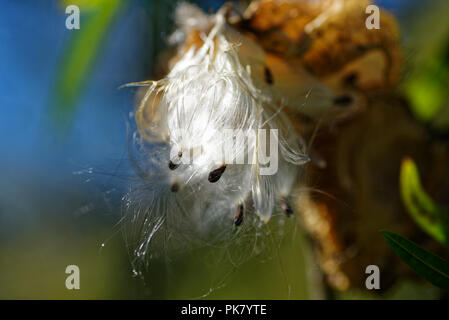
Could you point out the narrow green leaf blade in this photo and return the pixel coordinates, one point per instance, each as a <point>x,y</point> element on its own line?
<point>426,264</point>
<point>428,215</point>
<point>80,56</point>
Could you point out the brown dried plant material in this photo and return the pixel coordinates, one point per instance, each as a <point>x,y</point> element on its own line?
<point>359,192</point>
<point>346,215</point>
<point>355,163</point>
<point>343,37</point>
<point>331,40</point>
<point>279,25</point>
<point>322,46</point>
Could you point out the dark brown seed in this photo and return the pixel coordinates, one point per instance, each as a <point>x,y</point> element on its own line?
<point>174,187</point>
<point>238,215</point>
<point>285,207</point>
<point>268,76</point>
<point>172,165</point>
<point>215,175</point>
<point>343,100</point>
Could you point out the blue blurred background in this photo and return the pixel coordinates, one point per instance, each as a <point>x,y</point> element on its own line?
<point>63,174</point>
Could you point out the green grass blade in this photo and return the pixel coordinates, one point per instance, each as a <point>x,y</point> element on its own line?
<point>428,215</point>
<point>79,57</point>
<point>426,264</point>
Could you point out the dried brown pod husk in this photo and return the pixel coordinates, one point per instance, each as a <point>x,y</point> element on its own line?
<point>357,149</point>
<point>357,146</point>
<point>359,192</point>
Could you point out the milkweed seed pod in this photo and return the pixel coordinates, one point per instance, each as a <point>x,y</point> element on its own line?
<point>355,163</point>
<point>328,40</point>
<point>300,69</point>
<point>213,144</point>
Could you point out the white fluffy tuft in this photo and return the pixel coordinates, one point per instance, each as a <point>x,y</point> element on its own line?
<point>186,113</point>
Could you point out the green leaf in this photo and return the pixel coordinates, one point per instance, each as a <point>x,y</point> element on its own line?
<point>427,88</point>
<point>80,55</point>
<point>426,84</point>
<point>428,215</point>
<point>426,264</point>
